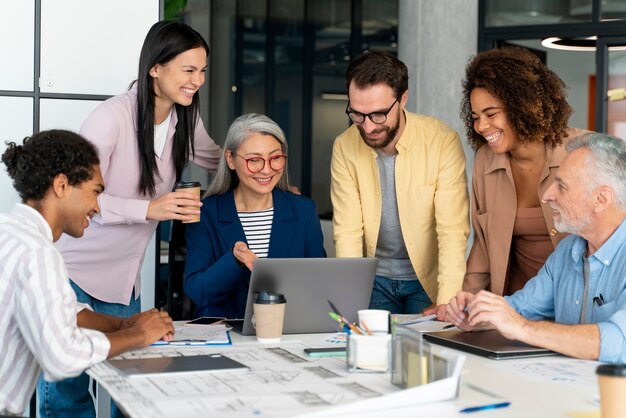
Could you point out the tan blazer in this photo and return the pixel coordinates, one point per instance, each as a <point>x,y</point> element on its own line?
<point>494,207</point>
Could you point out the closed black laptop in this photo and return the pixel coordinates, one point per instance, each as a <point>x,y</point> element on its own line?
<point>489,344</point>
<point>183,364</point>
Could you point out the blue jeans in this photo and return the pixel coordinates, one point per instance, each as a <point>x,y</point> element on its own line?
<point>70,397</point>
<point>399,296</point>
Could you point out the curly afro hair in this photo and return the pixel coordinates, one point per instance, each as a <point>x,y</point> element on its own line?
<point>534,97</point>
<point>34,165</point>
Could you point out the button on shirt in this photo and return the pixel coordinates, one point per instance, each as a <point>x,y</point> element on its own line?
<point>38,327</point>
<point>557,291</point>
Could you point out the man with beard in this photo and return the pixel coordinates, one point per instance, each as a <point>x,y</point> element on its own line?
<point>399,191</point>
<point>576,305</point>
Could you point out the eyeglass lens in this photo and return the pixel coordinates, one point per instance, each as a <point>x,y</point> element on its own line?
<point>277,162</point>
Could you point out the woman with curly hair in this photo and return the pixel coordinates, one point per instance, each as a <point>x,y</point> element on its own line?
<point>515,113</point>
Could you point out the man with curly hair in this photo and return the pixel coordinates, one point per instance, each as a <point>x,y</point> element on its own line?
<point>515,113</point>
<point>399,191</point>
<point>576,305</point>
<point>42,327</point>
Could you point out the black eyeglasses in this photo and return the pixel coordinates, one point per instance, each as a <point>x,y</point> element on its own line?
<point>256,164</point>
<point>376,117</point>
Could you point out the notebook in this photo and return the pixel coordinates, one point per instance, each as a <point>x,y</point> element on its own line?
<point>489,344</point>
<point>308,284</point>
<point>155,366</point>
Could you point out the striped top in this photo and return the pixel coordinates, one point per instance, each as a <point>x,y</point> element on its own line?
<point>38,327</point>
<point>257,226</point>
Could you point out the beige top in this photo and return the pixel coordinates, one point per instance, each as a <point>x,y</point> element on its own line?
<point>530,248</point>
<point>494,208</point>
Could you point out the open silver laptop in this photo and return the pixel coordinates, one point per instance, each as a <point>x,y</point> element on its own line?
<point>308,284</point>
<point>489,344</point>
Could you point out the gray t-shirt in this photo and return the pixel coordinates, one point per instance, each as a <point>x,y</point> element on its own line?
<point>393,259</point>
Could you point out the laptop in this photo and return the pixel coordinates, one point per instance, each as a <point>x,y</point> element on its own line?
<point>490,344</point>
<point>308,284</point>
<point>171,365</point>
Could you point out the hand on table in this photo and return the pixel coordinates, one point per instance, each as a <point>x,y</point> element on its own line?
<point>439,310</point>
<point>154,325</point>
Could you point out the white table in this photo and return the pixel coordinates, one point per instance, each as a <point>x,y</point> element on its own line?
<point>534,386</point>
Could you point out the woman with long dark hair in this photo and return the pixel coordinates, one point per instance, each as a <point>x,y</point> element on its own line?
<point>145,138</point>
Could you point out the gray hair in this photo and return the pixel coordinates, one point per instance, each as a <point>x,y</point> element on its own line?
<point>240,130</point>
<point>607,165</point>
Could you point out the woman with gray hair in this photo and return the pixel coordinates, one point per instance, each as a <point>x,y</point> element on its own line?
<point>248,212</point>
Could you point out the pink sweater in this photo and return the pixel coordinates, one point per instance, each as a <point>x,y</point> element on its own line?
<point>106,262</point>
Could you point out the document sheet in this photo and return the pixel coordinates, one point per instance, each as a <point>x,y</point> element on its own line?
<point>282,382</point>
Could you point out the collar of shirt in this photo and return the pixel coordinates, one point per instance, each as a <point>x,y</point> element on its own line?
<point>606,253</point>
<point>33,218</point>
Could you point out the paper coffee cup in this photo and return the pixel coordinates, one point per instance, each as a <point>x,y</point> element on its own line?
<point>376,320</point>
<point>189,187</point>
<point>612,381</point>
<point>269,314</point>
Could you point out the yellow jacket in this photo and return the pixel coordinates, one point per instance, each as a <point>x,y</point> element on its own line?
<point>431,189</point>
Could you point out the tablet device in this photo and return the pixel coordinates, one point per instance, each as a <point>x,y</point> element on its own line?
<point>490,344</point>
<point>205,320</point>
<point>182,364</point>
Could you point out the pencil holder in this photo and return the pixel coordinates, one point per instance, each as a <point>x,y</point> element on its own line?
<point>368,353</point>
<point>412,359</point>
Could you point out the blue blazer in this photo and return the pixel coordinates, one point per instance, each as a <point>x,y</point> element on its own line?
<point>214,280</point>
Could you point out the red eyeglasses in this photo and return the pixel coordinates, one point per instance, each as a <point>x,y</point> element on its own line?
<point>256,164</point>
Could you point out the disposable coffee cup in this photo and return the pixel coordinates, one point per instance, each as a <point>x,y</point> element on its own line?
<point>189,187</point>
<point>269,314</point>
<point>374,320</point>
<point>612,381</point>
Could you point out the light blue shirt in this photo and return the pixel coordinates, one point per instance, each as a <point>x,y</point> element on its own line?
<point>557,291</point>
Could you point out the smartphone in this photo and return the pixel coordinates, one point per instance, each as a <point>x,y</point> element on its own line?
<point>235,324</point>
<point>205,320</point>
<point>325,352</point>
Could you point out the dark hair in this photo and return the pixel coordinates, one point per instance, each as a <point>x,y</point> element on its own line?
<point>534,97</point>
<point>164,41</point>
<point>43,156</point>
<point>375,67</point>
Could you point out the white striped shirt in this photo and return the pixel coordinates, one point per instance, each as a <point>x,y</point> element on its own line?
<point>257,226</point>
<point>38,327</point>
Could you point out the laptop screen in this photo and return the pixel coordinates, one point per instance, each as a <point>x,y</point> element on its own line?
<point>308,284</point>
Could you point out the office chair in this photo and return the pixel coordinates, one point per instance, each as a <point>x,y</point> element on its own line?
<point>178,305</point>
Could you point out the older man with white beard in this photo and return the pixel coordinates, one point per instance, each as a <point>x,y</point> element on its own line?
<point>576,305</point>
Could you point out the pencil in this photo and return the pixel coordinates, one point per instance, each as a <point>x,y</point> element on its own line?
<point>364,325</point>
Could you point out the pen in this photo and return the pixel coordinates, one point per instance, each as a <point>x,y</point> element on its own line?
<point>341,322</point>
<point>337,316</point>
<point>353,328</point>
<point>599,300</point>
<point>334,308</point>
<point>367,329</point>
<point>485,407</point>
<point>188,342</point>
